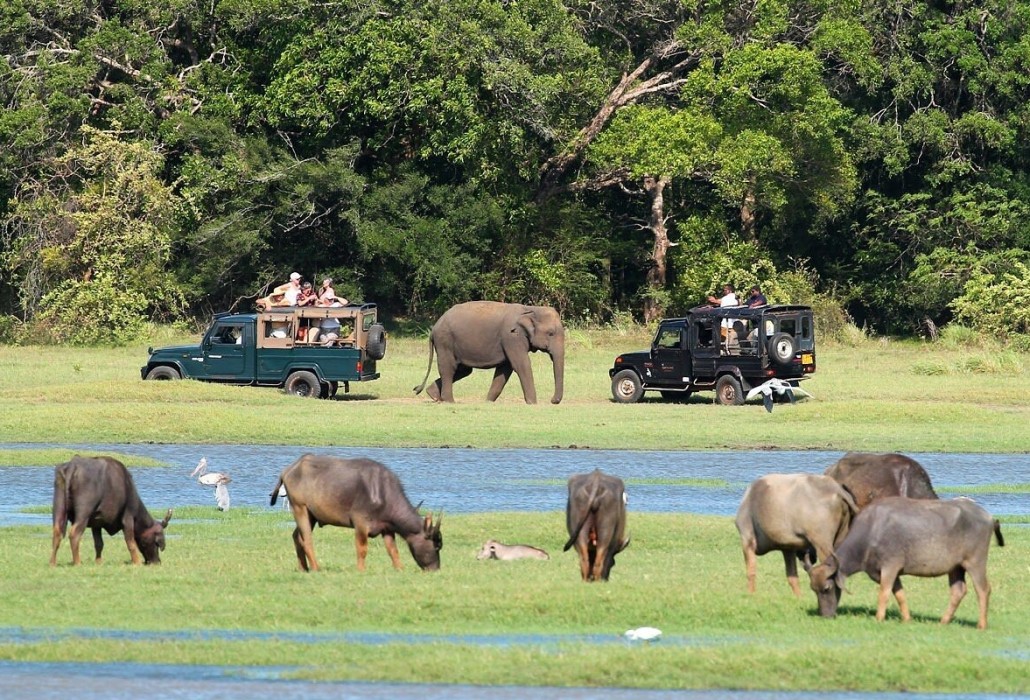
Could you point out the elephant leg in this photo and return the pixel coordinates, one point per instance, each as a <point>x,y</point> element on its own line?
<point>501,375</point>
<point>524,368</point>
<point>447,392</point>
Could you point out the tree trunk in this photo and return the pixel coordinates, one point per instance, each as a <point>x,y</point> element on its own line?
<point>654,306</point>
<point>747,213</point>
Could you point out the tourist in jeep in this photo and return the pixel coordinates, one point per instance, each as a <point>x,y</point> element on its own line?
<point>756,298</point>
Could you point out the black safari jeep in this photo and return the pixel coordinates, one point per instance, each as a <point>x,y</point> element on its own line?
<point>283,346</point>
<point>729,349</point>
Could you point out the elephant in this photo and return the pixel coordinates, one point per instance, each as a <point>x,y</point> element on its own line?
<point>491,334</point>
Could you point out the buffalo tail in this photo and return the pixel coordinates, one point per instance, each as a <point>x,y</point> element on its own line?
<point>997,533</point>
<point>275,491</point>
<point>586,514</point>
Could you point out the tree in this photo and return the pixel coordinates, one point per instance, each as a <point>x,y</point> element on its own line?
<point>91,242</point>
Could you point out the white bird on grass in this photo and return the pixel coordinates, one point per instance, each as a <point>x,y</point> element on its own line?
<point>643,634</point>
<point>285,498</point>
<point>216,479</point>
<point>781,387</point>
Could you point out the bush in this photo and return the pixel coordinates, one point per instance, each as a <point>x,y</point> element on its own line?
<point>11,329</point>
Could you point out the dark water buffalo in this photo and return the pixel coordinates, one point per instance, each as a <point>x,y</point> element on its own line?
<point>794,514</point>
<point>98,492</point>
<point>492,549</point>
<point>595,516</point>
<point>896,536</point>
<point>358,493</point>
<point>870,476</point>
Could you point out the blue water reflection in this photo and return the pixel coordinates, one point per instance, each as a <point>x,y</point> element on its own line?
<point>469,480</point>
<point>57,681</point>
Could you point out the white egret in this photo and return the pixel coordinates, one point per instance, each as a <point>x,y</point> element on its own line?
<point>780,387</point>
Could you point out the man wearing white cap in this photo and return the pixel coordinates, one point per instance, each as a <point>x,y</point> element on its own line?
<point>291,290</point>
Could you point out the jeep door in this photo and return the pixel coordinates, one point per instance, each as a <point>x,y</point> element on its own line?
<point>669,355</point>
<point>703,339</point>
<point>226,349</point>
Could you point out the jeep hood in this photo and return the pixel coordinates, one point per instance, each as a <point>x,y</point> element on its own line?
<point>176,351</point>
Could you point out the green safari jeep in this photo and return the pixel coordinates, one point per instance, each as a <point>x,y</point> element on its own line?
<point>289,347</point>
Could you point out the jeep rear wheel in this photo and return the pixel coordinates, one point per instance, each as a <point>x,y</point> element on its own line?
<point>728,391</point>
<point>164,373</point>
<point>303,383</point>
<point>626,387</point>
<point>782,348</point>
<point>375,343</point>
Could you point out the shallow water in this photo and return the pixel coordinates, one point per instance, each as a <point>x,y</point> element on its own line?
<point>455,481</point>
<point>58,681</point>
<point>468,480</point>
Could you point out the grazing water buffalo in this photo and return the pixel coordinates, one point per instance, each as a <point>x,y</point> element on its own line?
<point>492,549</point>
<point>98,492</point>
<point>896,536</point>
<point>358,493</point>
<point>595,516</point>
<point>870,476</point>
<point>792,513</point>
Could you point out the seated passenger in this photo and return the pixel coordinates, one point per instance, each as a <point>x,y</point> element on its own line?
<point>330,331</point>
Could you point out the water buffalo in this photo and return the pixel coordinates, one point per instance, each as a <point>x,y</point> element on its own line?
<point>870,476</point>
<point>358,493</point>
<point>898,535</point>
<point>595,516</point>
<point>792,513</point>
<point>98,492</point>
<point>492,549</point>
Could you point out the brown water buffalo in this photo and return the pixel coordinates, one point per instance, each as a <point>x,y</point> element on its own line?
<point>361,494</point>
<point>920,537</point>
<point>98,492</point>
<point>492,549</point>
<point>870,476</point>
<point>595,516</point>
<point>792,513</point>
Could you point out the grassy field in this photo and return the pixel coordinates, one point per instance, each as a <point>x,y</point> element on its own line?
<point>228,592</point>
<point>878,396</point>
<point>235,573</point>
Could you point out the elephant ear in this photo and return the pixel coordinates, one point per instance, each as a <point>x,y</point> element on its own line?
<point>525,322</point>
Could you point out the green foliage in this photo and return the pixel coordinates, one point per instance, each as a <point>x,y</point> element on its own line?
<point>996,303</point>
<point>103,262</point>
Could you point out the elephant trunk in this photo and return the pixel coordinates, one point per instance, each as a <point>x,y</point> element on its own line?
<point>558,359</point>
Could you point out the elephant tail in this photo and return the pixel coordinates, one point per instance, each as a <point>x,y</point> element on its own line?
<point>429,368</point>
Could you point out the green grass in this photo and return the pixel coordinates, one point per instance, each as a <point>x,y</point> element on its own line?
<point>870,397</point>
<point>236,571</point>
<point>49,457</point>
<point>684,574</point>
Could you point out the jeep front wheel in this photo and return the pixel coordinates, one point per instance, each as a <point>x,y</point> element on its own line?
<point>728,391</point>
<point>163,373</point>
<point>626,387</point>
<point>303,383</point>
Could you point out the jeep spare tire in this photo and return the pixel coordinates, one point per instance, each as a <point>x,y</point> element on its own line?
<point>375,343</point>
<point>782,348</point>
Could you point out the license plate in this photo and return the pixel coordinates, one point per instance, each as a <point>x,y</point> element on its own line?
<point>807,359</point>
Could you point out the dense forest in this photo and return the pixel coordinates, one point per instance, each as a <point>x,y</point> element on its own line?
<point>162,159</point>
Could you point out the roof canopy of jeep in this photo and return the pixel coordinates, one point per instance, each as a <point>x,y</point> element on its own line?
<point>744,311</point>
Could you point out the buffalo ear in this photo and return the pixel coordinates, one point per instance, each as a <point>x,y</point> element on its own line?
<point>168,516</point>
